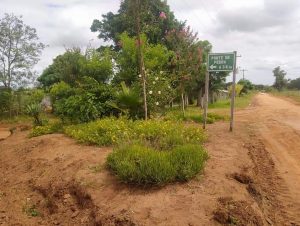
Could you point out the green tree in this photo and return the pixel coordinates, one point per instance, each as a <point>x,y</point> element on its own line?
<point>19,51</point>
<point>294,84</point>
<point>156,20</point>
<point>188,66</point>
<point>280,80</point>
<point>98,64</point>
<point>73,65</point>
<point>247,85</point>
<point>156,58</point>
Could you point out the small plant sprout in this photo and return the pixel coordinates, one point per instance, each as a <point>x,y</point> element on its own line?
<point>161,72</point>
<point>154,83</point>
<point>156,78</point>
<point>159,92</point>
<point>150,92</point>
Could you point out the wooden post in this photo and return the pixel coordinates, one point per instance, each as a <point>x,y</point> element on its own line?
<point>233,94</point>
<point>206,99</point>
<point>141,57</point>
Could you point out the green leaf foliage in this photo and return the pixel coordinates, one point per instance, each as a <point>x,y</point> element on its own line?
<point>87,102</point>
<point>72,66</point>
<point>154,26</point>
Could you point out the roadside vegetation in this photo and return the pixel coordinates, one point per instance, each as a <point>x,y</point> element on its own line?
<point>289,88</point>
<point>142,95</point>
<point>292,94</point>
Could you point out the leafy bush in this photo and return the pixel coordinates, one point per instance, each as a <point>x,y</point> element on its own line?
<point>129,102</point>
<point>145,166</point>
<point>34,110</point>
<point>88,101</point>
<point>155,133</point>
<point>36,96</point>
<point>238,89</point>
<point>107,131</point>
<point>5,97</point>
<point>50,128</point>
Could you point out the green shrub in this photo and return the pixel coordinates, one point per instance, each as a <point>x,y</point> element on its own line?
<point>54,127</point>
<point>140,165</point>
<point>88,101</point>
<point>189,160</point>
<point>106,131</point>
<point>5,100</point>
<point>35,96</point>
<point>155,133</point>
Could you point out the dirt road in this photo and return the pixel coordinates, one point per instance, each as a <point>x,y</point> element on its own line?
<point>251,178</point>
<point>277,122</point>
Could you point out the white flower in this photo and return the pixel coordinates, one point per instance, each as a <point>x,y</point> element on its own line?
<point>154,83</point>
<point>156,78</point>
<point>157,103</point>
<point>159,92</point>
<point>140,75</point>
<point>161,72</point>
<point>150,92</point>
<point>169,87</point>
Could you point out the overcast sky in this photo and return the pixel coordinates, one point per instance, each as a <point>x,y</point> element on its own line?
<point>266,33</point>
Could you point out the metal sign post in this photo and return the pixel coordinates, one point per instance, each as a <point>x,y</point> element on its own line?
<point>206,99</point>
<point>221,62</point>
<point>233,94</point>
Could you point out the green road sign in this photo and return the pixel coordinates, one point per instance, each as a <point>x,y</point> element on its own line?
<point>221,61</point>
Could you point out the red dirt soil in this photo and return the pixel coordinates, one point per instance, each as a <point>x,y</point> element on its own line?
<point>251,178</point>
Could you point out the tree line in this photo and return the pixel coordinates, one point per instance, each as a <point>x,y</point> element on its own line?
<point>85,84</point>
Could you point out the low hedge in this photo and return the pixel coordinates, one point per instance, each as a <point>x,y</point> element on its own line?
<point>140,165</point>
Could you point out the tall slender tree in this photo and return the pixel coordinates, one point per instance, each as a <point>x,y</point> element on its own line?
<point>19,51</point>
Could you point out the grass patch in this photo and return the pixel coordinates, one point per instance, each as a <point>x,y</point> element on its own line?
<point>292,94</point>
<point>194,114</point>
<point>142,165</point>
<point>240,102</point>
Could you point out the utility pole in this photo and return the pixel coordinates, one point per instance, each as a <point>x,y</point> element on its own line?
<point>140,56</point>
<point>244,70</point>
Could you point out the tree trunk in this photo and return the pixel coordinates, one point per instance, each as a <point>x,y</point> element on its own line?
<point>199,98</point>
<point>182,103</point>
<point>186,100</point>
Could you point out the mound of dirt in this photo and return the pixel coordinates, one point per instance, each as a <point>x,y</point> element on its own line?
<point>69,202</point>
<point>230,212</point>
